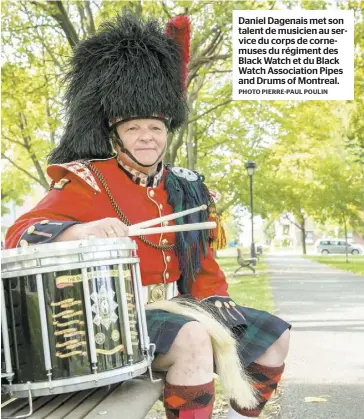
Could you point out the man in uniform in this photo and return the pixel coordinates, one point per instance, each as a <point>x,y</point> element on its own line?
<point>126,92</point>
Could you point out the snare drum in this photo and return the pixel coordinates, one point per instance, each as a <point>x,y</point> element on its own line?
<point>72,316</point>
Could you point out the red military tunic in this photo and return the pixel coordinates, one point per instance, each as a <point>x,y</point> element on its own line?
<point>80,197</point>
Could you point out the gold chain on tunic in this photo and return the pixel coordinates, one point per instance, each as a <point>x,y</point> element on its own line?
<point>120,214</point>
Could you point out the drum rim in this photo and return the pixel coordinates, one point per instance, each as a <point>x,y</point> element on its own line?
<point>43,388</point>
<point>25,271</point>
<point>67,247</point>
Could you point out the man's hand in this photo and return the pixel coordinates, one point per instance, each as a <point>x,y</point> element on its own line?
<point>107,227</point>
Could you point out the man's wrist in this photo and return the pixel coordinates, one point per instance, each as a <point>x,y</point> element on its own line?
<point>71,233</point>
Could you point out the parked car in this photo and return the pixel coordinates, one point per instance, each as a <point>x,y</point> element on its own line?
<point>326,246</point>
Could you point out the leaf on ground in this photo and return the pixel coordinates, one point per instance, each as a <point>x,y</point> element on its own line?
<point>321,399</point>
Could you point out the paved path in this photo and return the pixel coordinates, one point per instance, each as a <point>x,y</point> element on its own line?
<point>326,309</point>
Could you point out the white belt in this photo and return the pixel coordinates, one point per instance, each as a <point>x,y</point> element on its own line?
<point>158,292</point>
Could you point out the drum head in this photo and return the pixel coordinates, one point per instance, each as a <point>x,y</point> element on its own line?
<point>55,256</point>
<point>69,246</point>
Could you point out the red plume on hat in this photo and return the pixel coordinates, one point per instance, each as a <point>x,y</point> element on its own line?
<point>179,29</point>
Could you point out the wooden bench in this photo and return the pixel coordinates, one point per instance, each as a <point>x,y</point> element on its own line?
<point>245,262</point>
<point>131,399</point>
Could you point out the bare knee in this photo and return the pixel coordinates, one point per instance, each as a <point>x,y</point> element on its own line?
<point>192,344</point>
<point>275,355</point>
<point>192,338</point>
<point>283,342</point>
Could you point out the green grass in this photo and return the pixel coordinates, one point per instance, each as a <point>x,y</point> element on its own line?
<point>245,289</point>
<point>356,263</point>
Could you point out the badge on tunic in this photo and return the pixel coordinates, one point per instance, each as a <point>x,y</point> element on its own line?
<point>61,184</point>
<point>185,173</point>
<point>216,196</point>
<point>79,169</point>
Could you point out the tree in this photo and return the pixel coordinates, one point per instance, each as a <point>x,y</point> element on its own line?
<point>355,137</point>
<point>342,190</point>
<point>310,171</point>
<point>38,38</point>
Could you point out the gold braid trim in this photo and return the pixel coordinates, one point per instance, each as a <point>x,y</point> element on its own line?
<point>217,235</point>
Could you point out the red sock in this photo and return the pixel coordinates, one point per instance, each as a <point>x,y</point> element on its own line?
<point>265,380</point>
<point>189,402</point>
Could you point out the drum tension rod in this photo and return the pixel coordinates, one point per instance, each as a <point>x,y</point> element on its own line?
<point>30,400</point>
<point>150,357</point>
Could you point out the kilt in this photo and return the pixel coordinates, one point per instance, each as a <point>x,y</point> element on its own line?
<point>254,335</point>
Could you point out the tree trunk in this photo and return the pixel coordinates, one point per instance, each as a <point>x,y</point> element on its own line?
<point>61,16</point>
<point>91,23</point>
<point>27,144</point>
<point>302,226</point>
<point>303,234</point>
<point>42,179</point>
<point>346,238</point>
<point>190,147</point>
<point>174,144</point>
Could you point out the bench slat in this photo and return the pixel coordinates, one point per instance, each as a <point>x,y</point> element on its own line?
<point>91,402</point>
<point>38,403</point>
<point>50,405</point>
<point>71,404</point>
<point>135,397</point>
<point>14,407</point>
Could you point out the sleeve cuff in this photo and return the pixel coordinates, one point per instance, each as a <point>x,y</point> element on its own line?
<point>44,232</point>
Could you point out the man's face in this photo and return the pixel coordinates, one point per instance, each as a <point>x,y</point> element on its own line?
<point>145,139</point>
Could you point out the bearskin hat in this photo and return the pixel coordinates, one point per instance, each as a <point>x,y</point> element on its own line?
<point>131,68</point>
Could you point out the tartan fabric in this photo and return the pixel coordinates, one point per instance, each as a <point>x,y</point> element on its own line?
<point>189,402</point>
<point>163,328</point>
<point>259,331</point>
<point>265,380</point>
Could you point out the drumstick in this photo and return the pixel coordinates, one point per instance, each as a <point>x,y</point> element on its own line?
<point>158,220</point>
<point>171,229</point>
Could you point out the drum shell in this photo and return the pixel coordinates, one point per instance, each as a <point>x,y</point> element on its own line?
<point>24,323</point>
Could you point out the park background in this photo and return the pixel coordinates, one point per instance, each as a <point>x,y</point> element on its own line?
<point>310,154</point>
<point>309,180</point>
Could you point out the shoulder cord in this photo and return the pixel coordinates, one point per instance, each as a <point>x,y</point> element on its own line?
<point>118,211</point>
